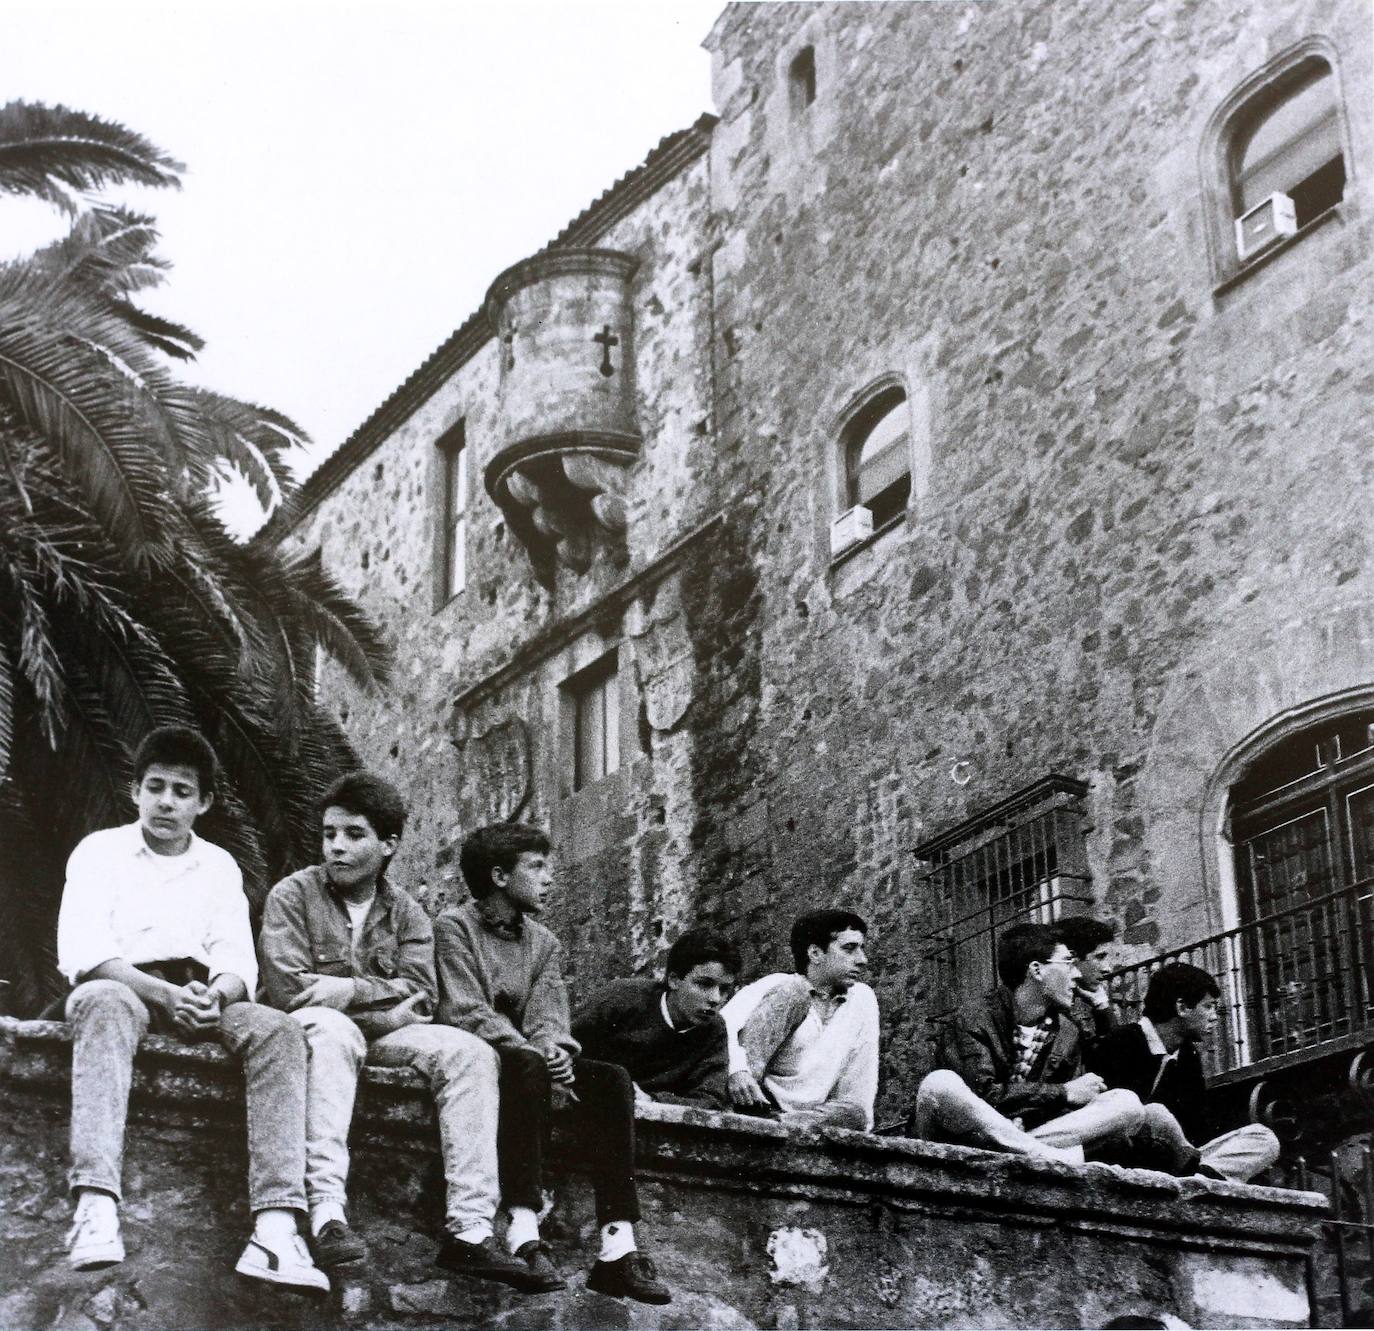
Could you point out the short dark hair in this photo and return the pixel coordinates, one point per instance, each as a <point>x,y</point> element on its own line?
<point>1082,933</point>
<point>497,846</point>
<point>1174,983</point>
<point>1021,944</point>
<point>698,947</point>
<point>820,927</point>
<point>178,746</point>
<point>366,795</point>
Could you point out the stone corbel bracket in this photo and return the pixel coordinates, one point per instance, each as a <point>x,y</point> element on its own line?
<point>563,322</point>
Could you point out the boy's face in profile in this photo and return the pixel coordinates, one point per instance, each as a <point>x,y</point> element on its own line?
<point>1096,965</point>
<point>528,883</point>
<point>700,994</point>
<point>169,802</point>
<point>840,963</point>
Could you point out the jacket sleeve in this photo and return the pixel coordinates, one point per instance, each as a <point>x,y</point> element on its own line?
<point>284,950</point>
<point>965,1050</point>
<point>548,1022</point>
<point>463,998</point>
<point>414,972</point>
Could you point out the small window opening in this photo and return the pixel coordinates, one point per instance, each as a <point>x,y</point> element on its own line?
<point>801,79</point>
<point>1292,146</point>
<point>877,458</point>
<point>453,518</point>
<point>595,694</point>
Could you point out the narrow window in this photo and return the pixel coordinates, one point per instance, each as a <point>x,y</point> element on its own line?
<point>801,79</point>
<point>595,694</point>
<point>1286,141</point>
<point>452,544</point>
<point>877,457</point>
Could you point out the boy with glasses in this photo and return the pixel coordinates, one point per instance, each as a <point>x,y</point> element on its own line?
<point>1010,1072</point>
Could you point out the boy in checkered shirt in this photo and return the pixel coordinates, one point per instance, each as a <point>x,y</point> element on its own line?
<point>1009,1073</point>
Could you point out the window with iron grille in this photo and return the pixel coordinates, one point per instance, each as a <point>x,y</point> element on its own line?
<point>1021,861</point>
<point>1302,824</point>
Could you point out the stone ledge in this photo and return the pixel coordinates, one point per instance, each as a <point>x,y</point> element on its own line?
<point>737,1153</point>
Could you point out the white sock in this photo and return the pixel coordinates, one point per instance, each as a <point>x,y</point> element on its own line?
<point>323,1212</point>
<point>474,1234</point>
<point>617,1239</point>
<point>94,1202</point>
<point>274,1225</point>
<point>523,1229</point>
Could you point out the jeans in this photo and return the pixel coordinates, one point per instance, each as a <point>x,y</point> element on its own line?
<point>602,1119</point>
<point>462,1074</point>
<point>108,1020</point>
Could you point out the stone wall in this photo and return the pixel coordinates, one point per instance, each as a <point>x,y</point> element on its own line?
<point>750,1225</point>
<point>1139,534</point>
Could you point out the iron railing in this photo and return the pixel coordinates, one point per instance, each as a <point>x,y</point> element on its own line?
<point>1295,984</point>
<point>1350,1229</point>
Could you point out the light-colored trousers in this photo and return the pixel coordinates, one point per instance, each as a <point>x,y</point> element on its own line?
<point>462,1072</point>
<point>1237,1155</point>
<point>1116,1123</point>
<point>947,1108</point>
<point>108,1020</point>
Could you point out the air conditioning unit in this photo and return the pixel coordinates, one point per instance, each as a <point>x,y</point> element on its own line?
<point>850,528</point>
<point>1264,225</point>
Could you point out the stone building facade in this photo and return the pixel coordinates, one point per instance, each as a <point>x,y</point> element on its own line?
<point>975,269</point>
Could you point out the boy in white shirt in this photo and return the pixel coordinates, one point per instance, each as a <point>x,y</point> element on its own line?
<point>153,932</point>
<point>807,1043</point>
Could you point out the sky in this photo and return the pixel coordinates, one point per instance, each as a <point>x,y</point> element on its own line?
<point>357,173</point>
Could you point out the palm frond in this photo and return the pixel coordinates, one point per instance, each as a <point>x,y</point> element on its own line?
<point>303,593</point>
<point>168,336</point>
<point>252,440</point>
<point>49,151</point>
<point>57,378</point>
<point>6,710</point>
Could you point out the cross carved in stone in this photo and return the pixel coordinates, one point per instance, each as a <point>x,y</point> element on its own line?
<point>606,340</point>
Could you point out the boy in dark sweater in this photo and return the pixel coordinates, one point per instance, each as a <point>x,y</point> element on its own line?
<point>668,1036</point>
<point>501,977</point>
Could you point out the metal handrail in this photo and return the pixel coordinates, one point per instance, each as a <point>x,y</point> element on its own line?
<point>1293,982</point>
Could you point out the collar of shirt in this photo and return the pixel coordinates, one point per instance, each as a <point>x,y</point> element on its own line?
<point>663,1008</point>
<point>827,1004</point>
<point>383,893</point>
<point>511,929</point>
<point>188,859</point>
<point>1152,1041</point>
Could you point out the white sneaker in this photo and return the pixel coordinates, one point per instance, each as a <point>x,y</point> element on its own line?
<point>282,1262</point>
<point>93,1240</point>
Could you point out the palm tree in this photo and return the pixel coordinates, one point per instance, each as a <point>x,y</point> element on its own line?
<point>124,602</point>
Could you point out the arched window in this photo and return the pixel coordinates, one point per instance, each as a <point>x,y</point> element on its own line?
<point>1302,828</point>
<point>1274,156</point>
<point>1289,142</point>
<point>876,448</point>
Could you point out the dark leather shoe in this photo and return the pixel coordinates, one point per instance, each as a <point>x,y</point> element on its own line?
<point>337,1245</point>
<point>544,1277</point>
<point>630,1277</point>
<point>485,1261</point>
